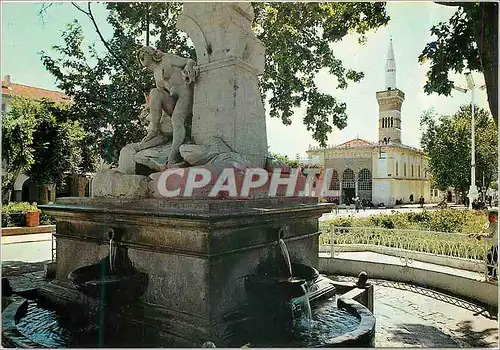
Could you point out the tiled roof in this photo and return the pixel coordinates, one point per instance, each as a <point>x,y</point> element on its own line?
<point>354,143</point>
<point>34,93</point>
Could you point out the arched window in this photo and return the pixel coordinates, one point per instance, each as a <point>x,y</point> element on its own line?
<point>383,122</point>
<point>404,169</point>
<point>335,184</point>
<point>365,180</point>
<point>397,169</point>
<point>348,179</point>
<point>392,124</point>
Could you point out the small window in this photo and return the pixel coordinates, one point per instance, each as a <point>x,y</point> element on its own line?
<point>397,170</point>
<point>382,155</point>
<point>3,107</point>
<point>404,169</point>
<point>412,170</point>
<point>419,171</point>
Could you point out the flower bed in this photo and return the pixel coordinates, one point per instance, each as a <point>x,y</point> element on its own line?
<point>440,220</point>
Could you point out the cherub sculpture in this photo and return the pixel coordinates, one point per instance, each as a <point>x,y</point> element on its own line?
<point>174,77</point>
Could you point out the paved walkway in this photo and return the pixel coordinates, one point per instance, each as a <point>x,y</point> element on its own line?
<point>393,260</point>
<point>407,319</point>
<point>27,248</point>
<point>410,316</point>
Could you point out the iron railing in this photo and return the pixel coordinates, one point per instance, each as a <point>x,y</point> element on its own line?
<point>53,244</point>
<point>475,248</point>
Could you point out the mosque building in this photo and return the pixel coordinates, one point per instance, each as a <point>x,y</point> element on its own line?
<point>385,172</point>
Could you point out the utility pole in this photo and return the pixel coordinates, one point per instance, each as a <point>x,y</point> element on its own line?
<point>484,189</point>
<point>473,193</point>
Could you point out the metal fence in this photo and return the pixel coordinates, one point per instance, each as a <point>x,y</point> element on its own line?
<point>475,248</point>
<point>53,244</point>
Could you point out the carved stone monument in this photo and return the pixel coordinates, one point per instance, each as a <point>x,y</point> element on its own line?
<point>195,252</point>
<point>227,100</point>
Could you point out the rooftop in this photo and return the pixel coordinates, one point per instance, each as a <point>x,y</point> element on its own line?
<point>32,92</point>
<point>360,143</point>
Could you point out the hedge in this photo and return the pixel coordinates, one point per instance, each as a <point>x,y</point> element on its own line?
<point>440,220</point>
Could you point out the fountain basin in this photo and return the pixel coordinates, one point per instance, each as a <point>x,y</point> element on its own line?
<point>350,324</point>
<point>121,286</point>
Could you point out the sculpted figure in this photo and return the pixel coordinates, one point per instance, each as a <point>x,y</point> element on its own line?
<point>162,134</point>
<point>174,77</point>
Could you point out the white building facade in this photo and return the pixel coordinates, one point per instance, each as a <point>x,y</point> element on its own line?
<point>386,172</point>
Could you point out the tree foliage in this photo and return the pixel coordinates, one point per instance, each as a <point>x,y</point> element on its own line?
<point>292,163</point>
<point>108,89</point>
<point>447,141</point>
<point>18,126</point>
<point>467,42</point>
<point>56,145</point>
<point>40,140</point>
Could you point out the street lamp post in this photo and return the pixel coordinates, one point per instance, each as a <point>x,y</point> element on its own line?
<point>473,192</point>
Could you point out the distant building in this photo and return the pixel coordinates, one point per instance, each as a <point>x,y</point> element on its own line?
<point>24,189</point>
<point>386,171</point>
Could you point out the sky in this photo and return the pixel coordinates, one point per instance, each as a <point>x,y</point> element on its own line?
<point>25,33</point>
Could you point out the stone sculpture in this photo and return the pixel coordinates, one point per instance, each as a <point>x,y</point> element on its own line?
<point>207,114</point>
<point>174,77</point>
<point>161,133</point>
<point>151,152</point>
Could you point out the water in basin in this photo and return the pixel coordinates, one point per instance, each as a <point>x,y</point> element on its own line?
<point>49,327</point>
<point>328,321</point>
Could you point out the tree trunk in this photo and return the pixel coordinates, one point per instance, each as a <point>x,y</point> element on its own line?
<point>43,195</point>
<point>486,33</point>
<point>8,186</point>
<point>6,193</point>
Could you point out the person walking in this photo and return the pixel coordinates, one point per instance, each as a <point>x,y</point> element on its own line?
<point>492,257</point>
<point>421,201</point>
<point>357,204</point>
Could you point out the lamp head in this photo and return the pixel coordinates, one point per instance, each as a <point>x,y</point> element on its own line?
<point>470,80</point>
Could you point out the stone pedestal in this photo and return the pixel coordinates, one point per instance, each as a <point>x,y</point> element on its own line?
<point>227,101</point>
<point>196,255</point>
<point>227,104</point>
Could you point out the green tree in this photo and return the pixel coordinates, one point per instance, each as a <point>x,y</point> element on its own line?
<point>292,163</point>
<point>56,145</point>
<point>109,89</point>
<point>18,126</point>
<point>41,140</point>
<point>447,141</point>
<point>468,41</point>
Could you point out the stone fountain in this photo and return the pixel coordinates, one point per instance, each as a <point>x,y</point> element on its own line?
<point>183,271</point>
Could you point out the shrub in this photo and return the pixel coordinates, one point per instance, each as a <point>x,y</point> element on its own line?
<point>14,213</point>
<point>19,207</point>
<point>440,220</point>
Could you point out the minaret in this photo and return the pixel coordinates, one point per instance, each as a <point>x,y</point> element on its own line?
<point>390,101</point>
<point>390,69</point>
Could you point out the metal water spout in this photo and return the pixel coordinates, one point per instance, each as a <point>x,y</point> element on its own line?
<point>112,249</point>
<point>284,249</point>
